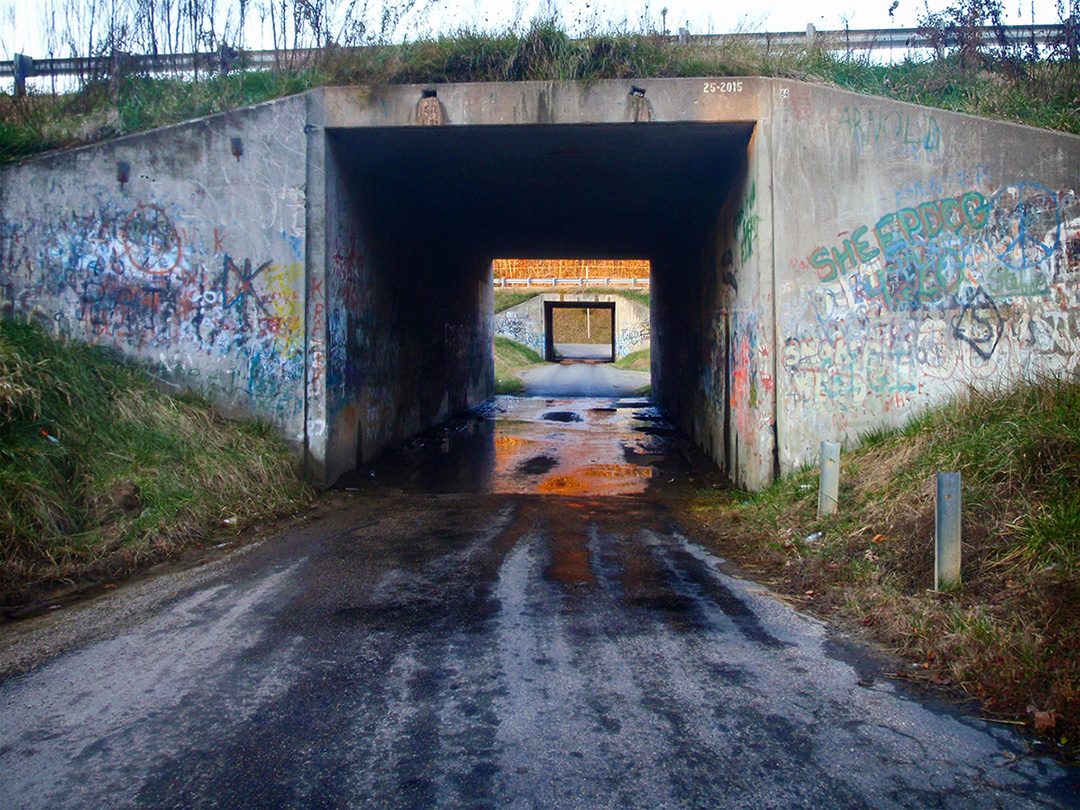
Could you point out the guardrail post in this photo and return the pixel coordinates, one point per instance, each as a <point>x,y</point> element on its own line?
<point>829,482</point>
<point>22,66</point>
<point>947,531</point>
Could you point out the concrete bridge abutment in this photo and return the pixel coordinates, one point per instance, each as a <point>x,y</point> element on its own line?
<point>823,263</point>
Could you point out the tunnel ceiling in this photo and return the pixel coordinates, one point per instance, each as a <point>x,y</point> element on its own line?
<point>588,190</point>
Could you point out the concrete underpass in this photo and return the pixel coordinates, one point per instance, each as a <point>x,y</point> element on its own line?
<point>823,263</point>
<point>430,208</point>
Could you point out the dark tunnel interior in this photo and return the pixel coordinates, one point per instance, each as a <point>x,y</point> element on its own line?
<point>429,208</point>
<point>602,191</point>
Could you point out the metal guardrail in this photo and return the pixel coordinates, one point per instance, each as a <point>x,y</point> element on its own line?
<point>216,61</point>
<point>24,67</point>
<point>633,283</point>
<point>908,38</point>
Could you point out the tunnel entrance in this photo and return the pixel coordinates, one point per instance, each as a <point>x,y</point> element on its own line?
<point>593,311</point>
<point>416,216</point>
<point>579,332</point>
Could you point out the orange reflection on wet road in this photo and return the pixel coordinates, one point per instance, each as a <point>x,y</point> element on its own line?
<point>579,447</point>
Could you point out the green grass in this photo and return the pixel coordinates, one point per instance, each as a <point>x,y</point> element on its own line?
<point>505,299</point>
<point>1039,93</point>
<point>1010,632</point>
<point>642,297</point>
<point>510,358</point>
<point>641,360</point>
<point>1019,454</point>
<point>101,473</point>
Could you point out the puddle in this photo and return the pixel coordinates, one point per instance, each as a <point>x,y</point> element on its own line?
<point>600,447</point>
<point>537,465</point>
<point>562,416</point>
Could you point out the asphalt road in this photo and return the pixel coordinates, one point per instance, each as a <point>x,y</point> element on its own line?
<point>536,632</point>
<point>582,379</point>
<point>584,351</point>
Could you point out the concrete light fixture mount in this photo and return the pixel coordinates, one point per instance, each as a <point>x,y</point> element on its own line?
<point>637,107</point>
<point>429,111</point>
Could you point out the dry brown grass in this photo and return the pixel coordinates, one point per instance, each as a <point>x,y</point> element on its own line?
<point>570,268</point>
<point>1009,635</point>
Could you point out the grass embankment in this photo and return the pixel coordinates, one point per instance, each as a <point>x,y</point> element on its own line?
<point>510,358</point>
<point>505,299</point>
<point>1010,633</point>
<point>1006,85</point>
<point>101,473</point>
<point>641,360</point>
<point>586,326</point>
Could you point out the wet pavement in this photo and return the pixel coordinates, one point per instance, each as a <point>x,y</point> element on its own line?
<point>584,351</point>
<point>583,379</point>
<point>535,630</point>
<point>545,446</point>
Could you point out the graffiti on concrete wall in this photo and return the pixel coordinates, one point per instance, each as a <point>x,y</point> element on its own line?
<point>733,404</point>
<point>355,354</point>
<point>151,241</point>
<point>872,128</point>
<point>744,369</point>
<point>520,328</point>
<point>631,338</point>
<point>914,189</point>
<point>746,224</point>
<point>940,251</point>
<point>317,332</point>
<point>133,275</point>
<point>973,287</point>
<point>751,384</point>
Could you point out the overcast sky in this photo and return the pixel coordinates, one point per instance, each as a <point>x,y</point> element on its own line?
<point>719,17</point>
<point>20,20</point>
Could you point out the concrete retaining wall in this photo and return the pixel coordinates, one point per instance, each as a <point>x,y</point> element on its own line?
<point>174,249</point>
<point>917,252</point>
<point>408,330</point>
<point>400,335</point>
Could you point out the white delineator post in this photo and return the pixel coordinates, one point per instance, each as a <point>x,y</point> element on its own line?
<point>947,534</point>
<point>829,483</point>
